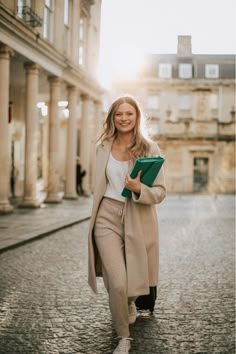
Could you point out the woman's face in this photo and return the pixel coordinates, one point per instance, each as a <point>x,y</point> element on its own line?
<point>125,118</point>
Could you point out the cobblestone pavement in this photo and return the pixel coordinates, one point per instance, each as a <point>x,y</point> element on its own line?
<point>47,306</point>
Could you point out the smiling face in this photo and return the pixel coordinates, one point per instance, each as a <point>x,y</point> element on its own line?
<point>125,118</point>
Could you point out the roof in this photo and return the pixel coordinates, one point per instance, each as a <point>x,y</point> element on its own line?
<point>226,64</point>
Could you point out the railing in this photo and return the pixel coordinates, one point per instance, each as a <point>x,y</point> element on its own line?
<point>193,129</point>
<point>29,16</point>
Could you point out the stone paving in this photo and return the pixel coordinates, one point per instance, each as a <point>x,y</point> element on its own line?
<point>46,306</point>
<point>25,224</point>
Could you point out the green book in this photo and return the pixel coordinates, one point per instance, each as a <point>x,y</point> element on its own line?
<point>150,167</point>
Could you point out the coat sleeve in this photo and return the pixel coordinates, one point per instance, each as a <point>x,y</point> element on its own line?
<point>156,193</point>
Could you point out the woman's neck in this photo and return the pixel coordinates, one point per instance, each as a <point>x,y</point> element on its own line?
<point>124,139</point>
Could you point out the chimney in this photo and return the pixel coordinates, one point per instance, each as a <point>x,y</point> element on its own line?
<point>184,47</point>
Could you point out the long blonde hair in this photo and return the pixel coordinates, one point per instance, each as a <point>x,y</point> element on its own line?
<point>139,146</point>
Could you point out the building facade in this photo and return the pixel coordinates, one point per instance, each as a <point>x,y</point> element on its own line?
<point>50,97</point>
<point>189,102</point>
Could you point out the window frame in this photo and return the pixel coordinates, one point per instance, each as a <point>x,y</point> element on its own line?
<point>48,25</point>
<point>150,104</point>
<point>20,4</point>
<point>165,67</point>
<point>182,105</point>
<point>209,71</point>
<point>185,73</point>
<point>82,40</point>
<point>67,26</point>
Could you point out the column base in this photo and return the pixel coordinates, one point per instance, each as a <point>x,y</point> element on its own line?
<point>71,196</point>
<point>30,203</point>
<point>87,194</point>
<point>6,208</point>
<point>53,198</point>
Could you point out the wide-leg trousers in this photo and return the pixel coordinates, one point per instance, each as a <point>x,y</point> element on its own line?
<point>110,241</point>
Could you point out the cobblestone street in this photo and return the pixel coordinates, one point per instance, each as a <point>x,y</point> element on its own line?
<point>46,306</point>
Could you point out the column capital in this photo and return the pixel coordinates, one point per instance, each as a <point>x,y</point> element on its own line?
<point>31,67</point>
<point>85,97</point>
<point>72,89</point>
<point>97,102</point>
<point>5,51</point>
<point>54,79</point>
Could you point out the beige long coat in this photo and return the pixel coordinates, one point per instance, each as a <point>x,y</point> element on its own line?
<point>140,224</point>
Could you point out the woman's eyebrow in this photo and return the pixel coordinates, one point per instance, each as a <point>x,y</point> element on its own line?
<point>128,111</point>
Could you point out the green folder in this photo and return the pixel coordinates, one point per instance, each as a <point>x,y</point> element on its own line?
<point>150,167</point>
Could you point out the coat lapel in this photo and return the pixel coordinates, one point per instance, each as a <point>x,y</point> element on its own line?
<point>101,163</point>
<point>103,158</point>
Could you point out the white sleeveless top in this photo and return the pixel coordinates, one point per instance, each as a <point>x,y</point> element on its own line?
<point>116,172</point>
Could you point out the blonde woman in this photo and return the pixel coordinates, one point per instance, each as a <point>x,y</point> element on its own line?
<point>123,234</point>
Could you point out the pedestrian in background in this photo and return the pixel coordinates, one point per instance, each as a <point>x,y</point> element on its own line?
<point>123,234</point>
<point>79,177</point>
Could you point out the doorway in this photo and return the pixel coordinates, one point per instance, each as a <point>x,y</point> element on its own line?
<point>200,174</point>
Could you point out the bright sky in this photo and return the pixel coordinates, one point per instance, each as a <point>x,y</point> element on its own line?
<point>131,28</point>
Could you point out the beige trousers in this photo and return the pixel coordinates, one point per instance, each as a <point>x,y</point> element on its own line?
<point>109,237</point>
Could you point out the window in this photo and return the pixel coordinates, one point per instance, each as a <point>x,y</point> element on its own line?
<point>81,29</point>
<point>47,25</point>
<point>185,71</point>
<point>81,55</point>
<point>67,25</point>
<point>82,41</point>
<point>212,71</point>
<point>66,12</point>
<point>20,4</point>
<point>184,102</point>
<point>152,102</point>
<point>213,100</point>
<point>165,71</point>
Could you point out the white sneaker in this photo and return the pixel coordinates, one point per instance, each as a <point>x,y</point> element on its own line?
<point>132,313</point>
<point>123,347</point>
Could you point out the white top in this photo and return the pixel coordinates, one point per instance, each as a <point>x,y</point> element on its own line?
<point>116,172</point>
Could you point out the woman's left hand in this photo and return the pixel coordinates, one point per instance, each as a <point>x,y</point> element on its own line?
<point>133,184</point>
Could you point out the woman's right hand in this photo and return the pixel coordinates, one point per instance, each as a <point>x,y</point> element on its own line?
<point>133,184</point>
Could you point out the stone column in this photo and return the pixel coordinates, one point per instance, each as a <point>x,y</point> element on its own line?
<point>31,137</point>
<point>45,149</point>
<point>85,142</point>
<point>70,185</point>
<point>5,206</point>
<point>53,195</point>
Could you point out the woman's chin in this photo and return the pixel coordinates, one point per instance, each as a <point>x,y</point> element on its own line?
<point>125,130</point>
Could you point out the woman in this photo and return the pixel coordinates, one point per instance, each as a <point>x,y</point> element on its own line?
<point>123,234</point>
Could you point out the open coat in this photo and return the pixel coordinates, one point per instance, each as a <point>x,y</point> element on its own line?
<point>140,225</point>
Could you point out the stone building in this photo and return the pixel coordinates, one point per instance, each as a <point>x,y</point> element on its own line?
<point>50,97</point>
<point>190,104</point>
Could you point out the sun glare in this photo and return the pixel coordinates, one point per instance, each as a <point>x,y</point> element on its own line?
<point>126,65</point>
<point>128,27</point>
<point>123,65</point>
